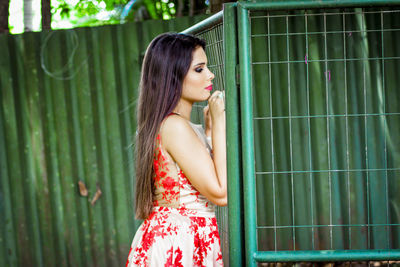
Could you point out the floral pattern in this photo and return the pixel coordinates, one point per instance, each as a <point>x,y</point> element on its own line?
<point>182,229</point>
<point>168,238</point>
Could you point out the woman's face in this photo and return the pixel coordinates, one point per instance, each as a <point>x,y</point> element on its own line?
<point>197,84</point>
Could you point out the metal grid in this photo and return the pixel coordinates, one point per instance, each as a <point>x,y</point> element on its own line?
<point>323,114</point>
<point>319,77</point>
<point>214,51</point>
<point>213,35</point>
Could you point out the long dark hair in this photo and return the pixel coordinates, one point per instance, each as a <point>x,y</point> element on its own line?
<point>166,63</point>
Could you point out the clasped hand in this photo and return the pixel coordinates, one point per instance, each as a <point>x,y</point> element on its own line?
<point>214,112</point>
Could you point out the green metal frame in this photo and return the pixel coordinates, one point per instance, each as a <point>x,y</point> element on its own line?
<point>282,5</point>
<point>205,24</point>
<point>248,163</point>
<point>235,204</point>
<point>246,105</point>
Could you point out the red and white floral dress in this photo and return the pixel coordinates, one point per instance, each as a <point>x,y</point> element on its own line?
<point>182,229</point>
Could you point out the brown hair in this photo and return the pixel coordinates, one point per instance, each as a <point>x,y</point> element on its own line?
<point>166,63</point>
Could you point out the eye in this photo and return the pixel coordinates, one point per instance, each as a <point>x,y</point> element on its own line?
<point>198,70</point>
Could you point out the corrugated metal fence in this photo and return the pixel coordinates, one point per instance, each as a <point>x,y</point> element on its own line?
<point>67,115</point>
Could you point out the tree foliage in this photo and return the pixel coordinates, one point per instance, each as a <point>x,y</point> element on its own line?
<point>100,12</point>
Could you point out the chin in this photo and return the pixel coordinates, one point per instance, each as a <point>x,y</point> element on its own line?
<point>206,96</point>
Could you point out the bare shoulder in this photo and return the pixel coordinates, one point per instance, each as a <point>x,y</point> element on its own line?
<point>176,129</point>
<point>183,145</point>
<point>174,124</point>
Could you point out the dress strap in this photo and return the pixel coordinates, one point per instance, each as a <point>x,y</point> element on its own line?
<point>173,113</point>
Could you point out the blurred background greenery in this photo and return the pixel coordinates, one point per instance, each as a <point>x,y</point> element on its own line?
<point>18,16</point>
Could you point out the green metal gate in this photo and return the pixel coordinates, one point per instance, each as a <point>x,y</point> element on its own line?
<point>313,153</point>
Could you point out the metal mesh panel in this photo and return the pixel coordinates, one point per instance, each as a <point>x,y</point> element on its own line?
<point>214,49</point>
<point>326,120</point>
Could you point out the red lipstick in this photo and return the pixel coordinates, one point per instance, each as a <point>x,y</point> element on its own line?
<point>209,88</point>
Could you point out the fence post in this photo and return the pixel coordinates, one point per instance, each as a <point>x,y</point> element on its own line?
<point>246,105</point>
<point>235,204</point>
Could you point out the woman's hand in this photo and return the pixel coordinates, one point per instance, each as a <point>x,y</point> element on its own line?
<point>217,106</point>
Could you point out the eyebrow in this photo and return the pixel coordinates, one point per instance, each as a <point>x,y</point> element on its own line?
<point>199,64</point>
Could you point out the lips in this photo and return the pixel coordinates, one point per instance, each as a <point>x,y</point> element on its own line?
<point>209,88</point>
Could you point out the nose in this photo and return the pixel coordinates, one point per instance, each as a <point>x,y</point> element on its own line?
<point>211,76</point>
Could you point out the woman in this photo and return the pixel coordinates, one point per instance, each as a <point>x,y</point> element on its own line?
<point>179,182</point>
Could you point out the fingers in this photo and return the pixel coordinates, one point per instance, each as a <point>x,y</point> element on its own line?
<point>206,110</point>
<point>217,98</point>
<point>217,94</point>
<point>216,104</point>
<point>222,95</point>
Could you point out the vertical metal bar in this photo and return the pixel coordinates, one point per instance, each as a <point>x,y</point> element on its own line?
<point>235,205</point>
<point>366,143</point>
<point>290,132</point>
<point>272,131</point>
<point>309,135</point>
<point>384,128</point>
<point>347,123</point>
<point>221,56</point>
<point>327,73</point>
<point>247,134</point>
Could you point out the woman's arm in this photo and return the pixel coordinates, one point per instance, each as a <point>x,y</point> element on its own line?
<point>206,174</point>
<point>218,133</point>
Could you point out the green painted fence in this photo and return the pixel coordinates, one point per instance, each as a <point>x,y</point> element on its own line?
<point>67,114</point>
